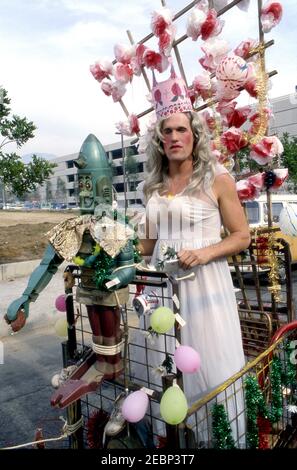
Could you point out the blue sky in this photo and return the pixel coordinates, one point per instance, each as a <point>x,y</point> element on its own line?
<point>48,45</point>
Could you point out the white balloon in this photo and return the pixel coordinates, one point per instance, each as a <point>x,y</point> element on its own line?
<point>288,220</point>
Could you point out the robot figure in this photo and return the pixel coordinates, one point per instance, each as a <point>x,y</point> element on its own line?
<point>81,240</point>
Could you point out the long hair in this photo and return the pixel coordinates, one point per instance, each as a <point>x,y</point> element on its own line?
<point>157,163</point>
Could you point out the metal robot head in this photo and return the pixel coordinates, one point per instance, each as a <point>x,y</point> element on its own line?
<point>94,176</point>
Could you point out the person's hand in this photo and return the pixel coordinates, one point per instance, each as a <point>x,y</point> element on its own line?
<point>19,322</point>
<point>190,258</point>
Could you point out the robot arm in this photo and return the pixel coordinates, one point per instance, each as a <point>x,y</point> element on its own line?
<point>125,270</point>
<point>18,310</point>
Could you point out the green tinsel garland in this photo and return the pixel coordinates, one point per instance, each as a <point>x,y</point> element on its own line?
<point>255,402</point>
<point>221,428</point>
<point>103,267</point>
<point>289,374</point>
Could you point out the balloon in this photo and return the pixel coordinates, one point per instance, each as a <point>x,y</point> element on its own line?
<point>61,327</point>
<point>173,406</point>
<point>162,319</point>
<point>288,220</point>
<point>232,71</point>
<point>135,406</point>
<point>187,359</point>
<point>60,303</point>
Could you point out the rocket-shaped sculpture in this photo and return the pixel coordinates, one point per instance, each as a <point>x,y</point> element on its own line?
<point>94,176</point>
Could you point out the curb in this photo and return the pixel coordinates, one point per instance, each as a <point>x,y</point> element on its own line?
<point>12,271</point>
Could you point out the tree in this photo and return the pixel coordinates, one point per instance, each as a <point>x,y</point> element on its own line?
<point>48,191</point>
<point>132,168</point>
<point>18,177</point>
<point>61,190</point>
<point>289,157</point>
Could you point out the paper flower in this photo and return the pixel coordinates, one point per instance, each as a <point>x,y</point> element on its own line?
<point>271,14</point>
<point>212,26</point>
<point>115,89</point>
<point>202,85</point>
<point>154,60</point>
<point>232,71</point>
<point>214,49</point>
<point>244,48</point>
<point>246,191</point>
<point>163,28</point>
<point>123,53</point>
<point>280,176</point>
<point>101,69</point>
<point>195,20</point>
<point>122,72</point>
<point>266,150</point>
<point>161,19</point>
<point>233,139</point>
<point>129,127</point>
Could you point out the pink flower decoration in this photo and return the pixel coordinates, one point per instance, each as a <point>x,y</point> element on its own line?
<point>195,20</point>
<point>130,127</point>
<point>212,26</point>
<point>271,14</point>
<point>161,19</point>
<point>158,97</point>
<point>101,69</point>
<point>266,150</point>
<point>257,180</point>
<point>123,53</point>
<point>202,86</point>
<point>176,90</point>
<point>238,116</point>
<point>154,60</point>
<point>233,139</point>
<point>106,87</point>
<point>122,72</point>
<point>115,89</point>
<point>281,175</point>
<point>243,49</point>
<point>209,120</point>
<point>246,191</point>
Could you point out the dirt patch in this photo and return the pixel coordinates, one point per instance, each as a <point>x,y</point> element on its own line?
<point>22,234</point>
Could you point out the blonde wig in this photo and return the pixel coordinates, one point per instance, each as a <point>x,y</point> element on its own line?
<point>157,163</point>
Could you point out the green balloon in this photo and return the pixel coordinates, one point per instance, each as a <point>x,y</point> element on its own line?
<point>61,327</point>
<point>162,319</point>
<point>173,406</point>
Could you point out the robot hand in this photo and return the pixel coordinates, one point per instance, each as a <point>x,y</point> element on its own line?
<point>17,313</point>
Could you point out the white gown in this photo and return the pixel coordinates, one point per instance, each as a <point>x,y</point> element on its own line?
<point>207,302</point>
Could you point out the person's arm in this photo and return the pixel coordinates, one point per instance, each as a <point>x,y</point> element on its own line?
<point>147,242</point>
<point>234,221</point>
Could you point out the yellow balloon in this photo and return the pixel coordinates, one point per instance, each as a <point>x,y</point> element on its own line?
<point>61,327</point>
<point>173,406</point>
<point>162,319</point>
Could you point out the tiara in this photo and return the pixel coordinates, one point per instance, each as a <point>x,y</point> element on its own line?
<point>170,96</point>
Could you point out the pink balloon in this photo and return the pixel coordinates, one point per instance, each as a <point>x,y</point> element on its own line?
<point>187,359</point>
<point>60,303</point>
<point>135,406</point>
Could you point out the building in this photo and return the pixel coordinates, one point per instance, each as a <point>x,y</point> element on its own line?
<point>285,120</point>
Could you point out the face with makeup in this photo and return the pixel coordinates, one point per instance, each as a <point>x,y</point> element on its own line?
<point>178,137</point>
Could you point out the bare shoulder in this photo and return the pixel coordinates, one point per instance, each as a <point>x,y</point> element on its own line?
<point>224,185</point>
